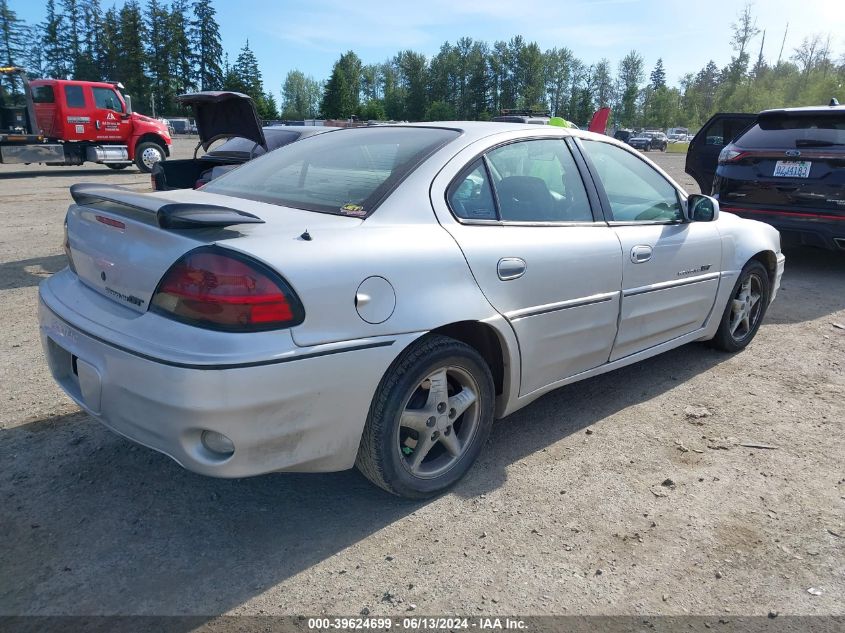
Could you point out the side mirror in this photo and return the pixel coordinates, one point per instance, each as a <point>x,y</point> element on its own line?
<point>128,101</point>
<point>701,208</point>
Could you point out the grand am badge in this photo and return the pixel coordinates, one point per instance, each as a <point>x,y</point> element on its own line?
<point>693,271</point>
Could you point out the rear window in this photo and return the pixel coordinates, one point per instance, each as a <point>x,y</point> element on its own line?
<point>795,131</point>
<point>43,94</point>
<point>74,96</point>
<point>240,147</point>
<point>348,172</point>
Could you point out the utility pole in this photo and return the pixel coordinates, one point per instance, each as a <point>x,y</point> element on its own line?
<point>783,43</point>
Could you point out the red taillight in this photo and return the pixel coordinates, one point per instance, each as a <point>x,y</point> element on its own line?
<point>212,288</point>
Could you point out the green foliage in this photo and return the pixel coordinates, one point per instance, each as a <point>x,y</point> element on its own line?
<point>205,39</point>
<point>342,92</point>
<point>168,47</point>
<point>372,110</point>
<point>440,111</point>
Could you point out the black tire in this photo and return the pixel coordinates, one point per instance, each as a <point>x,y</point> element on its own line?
<point>663,147</point>
<point>724,339</point>
<point>117,166</point>
<point>140,163</point>
<point>380,457</point>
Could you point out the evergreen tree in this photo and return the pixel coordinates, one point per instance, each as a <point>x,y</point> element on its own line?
<point>132,57</point>
<point>109,48</point>
<point>71,34</point>
<point>658,75</point>
<point>336,104</point>
<point>180,52</point>
<point>159,56</point>
<point>270,108</point>
<point>12,44</point>
<point>414,73</point>
<point>87,64</point>
<point>248,74</point>
<point>55,55</point>
<point>342,91</point>
<point>630,77</point>
<point>205,38</point>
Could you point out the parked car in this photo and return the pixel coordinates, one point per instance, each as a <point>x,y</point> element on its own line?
<point>649,140</point>
<point>788,169</point>
<point>225,115</point>
<point>624,135</point>
<point>180,125</point>
<point>705,146</point>
<point>377,296</point>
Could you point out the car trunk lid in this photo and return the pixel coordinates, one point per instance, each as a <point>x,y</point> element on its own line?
<point>222,114</point>
<point>121,242</point>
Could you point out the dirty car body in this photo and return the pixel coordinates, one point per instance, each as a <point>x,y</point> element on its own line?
<point>376,296</point>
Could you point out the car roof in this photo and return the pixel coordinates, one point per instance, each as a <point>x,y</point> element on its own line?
<point>840,109</point>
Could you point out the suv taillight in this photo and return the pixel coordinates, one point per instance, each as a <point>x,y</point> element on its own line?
<point>217,289</point>
<point>729,155</point>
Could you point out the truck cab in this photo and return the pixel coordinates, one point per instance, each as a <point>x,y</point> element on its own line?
<point>79,121</point>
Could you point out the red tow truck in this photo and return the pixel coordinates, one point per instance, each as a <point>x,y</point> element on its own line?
<point>66,122</point>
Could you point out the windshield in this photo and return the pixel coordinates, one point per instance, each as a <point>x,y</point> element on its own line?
<point>795,131</point>
<point>348,172</point>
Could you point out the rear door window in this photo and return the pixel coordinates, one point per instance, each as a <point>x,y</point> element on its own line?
<point>74,96</point>
<point>538,181</point>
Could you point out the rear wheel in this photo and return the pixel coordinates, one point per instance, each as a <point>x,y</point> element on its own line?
<point>745,309</point>
<point>147,155</point>
<point>429,419</point>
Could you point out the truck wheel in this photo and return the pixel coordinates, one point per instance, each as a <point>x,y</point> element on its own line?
<point>147,155</point>
<point>117,166</point>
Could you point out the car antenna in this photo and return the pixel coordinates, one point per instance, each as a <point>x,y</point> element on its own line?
<point>834,102</point>
<point>306,235</point>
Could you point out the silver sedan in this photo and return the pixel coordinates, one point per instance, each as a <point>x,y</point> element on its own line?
<point>375,297</point>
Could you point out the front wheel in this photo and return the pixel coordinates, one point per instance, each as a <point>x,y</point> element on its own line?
<point>147,155</point>
<point>429,418</point>
<point>745,309</point>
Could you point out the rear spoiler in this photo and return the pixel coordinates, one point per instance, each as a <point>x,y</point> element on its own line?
<point>167,214</point>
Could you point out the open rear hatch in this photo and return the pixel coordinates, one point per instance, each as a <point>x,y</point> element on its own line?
<point>221,114</point>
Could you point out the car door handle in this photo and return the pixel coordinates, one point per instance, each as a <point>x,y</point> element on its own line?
<point>641,254</point>
<point>511,268</point>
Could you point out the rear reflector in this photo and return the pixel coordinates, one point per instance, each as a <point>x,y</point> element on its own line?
<point>214,288</point>
<point>110,222</point>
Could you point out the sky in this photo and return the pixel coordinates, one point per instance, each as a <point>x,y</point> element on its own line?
<point>310,35</point>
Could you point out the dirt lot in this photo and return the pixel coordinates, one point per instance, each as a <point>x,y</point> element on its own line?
<point>569,510</point>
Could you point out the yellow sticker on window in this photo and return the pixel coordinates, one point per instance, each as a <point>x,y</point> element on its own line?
<point>353,209</point>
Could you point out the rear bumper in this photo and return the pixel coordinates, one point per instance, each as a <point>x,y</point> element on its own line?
<point>799,227</point>
<point>305,414</point>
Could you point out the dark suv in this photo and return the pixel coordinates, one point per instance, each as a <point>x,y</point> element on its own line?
<point>788,169</point>
<point>649,140</point>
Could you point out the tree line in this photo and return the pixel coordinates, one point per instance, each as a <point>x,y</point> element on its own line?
<point>165,48</point>
<point>156,51</point>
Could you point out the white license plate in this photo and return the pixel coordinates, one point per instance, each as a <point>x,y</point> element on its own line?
<point>792,168</point>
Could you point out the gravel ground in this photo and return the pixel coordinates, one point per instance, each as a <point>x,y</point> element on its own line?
<point>624,494</point>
